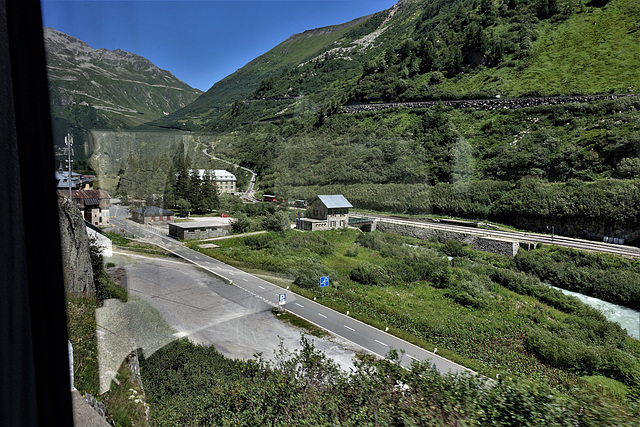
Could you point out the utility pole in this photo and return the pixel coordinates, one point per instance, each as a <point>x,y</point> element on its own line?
<point>68,141</point>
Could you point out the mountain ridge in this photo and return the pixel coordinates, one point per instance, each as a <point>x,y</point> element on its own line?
<point>122,88</point>
<point>433,50</point>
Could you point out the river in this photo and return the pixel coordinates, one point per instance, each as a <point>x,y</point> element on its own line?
<point>628,318</point>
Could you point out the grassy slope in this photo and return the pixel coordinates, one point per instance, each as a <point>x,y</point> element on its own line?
<point>241,84</point>
<point>490,338</point>
<point>592,52</point>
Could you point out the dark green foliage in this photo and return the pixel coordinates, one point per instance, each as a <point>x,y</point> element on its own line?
<point>195,385</point>
<point>258,241</point>
<point>240,224</point>
<point>457,249</point>
<point>105,287</point>
<point>601,276</point>
<point>369,274</point>
<point>573,355</point>
<point>308,272</point>
<point>277,221</point>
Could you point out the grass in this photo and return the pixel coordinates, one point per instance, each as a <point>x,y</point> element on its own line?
<point>81,321</point>
<point>607,385</point>
<point>490,338</point>
<point>299,322</point>
<point>125,400</point>
<point>132,245</point>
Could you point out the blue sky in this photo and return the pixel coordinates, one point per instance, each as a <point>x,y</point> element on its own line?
<point>199,41</point>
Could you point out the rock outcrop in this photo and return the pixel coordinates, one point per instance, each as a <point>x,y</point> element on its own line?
<point>76,258</point>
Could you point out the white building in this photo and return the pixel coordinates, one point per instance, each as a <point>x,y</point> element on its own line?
<point>226,181</point>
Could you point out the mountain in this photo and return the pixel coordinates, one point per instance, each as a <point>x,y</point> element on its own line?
<point>242,84</point>
<point>432,50</point>
<point>564,159</point>
<point>100,88</point>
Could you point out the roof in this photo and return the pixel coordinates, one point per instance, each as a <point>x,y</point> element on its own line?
<point>218,174</point>
<point>209,223</point>
<point>335,201</point>
<point>152,211</point>
<point>85,194</point>
<point>76,179</point>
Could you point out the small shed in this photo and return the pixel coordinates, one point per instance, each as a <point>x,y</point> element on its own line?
<point>152,214</point>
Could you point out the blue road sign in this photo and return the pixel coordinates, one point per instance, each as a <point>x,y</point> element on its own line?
<point>282,299</point>
<point>324,281</point>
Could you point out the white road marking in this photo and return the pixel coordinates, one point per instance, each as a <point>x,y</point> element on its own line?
<point>260,287</point>
<point>380,342</point>
<point>299,305</point>
<point>319,314</point>
<point>246,280</point>
<point>349,328</point>
<point>414,358</point>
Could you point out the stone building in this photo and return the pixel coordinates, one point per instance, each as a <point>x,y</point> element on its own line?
<point>326,212</point>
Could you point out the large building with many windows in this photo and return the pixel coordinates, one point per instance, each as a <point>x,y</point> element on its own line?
<point>225,181</point>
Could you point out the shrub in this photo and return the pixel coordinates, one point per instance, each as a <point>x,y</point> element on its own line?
<point>277,221</point>
<point>240,224</point>
<point>258,241</point>
<point>369,274</point>
<point>308,274</point>
<point>352,252</point>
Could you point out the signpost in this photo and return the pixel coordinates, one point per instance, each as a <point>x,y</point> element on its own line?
<point>282,302</point>
<point>324,283</point>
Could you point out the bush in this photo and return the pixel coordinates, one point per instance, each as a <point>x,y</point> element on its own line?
<point>277,221</point>
<point>258,241</point>
<point>240,224</point>
<point>352,252</point>
<point>308,273</point>
<point>369,274</point>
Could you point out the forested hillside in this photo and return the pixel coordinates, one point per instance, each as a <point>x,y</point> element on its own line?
<point>573,166</point>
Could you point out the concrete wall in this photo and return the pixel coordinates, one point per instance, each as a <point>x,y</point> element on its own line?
<point>484,104</point>
<point>423,232</point>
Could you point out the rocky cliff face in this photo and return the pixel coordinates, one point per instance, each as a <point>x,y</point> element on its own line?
<point>78,273</point>
<point>108,149</point>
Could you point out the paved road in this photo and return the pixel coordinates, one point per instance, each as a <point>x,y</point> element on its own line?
<point>249,194</point>
<point>372,339</point>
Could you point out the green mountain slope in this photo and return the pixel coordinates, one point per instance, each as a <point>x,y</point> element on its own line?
<point>99,88</point>
<point>435,49</point>
<point>242,84</point>
<point>573,166</point>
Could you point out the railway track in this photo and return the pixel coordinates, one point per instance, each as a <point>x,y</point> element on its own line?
<point>473,228</point>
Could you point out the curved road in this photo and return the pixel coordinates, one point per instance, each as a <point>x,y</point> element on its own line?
<point>372,339</point>
<point>248,195</point>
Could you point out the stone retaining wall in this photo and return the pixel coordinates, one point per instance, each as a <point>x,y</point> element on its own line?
<point>424,232</point>
<point>484,104</point>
